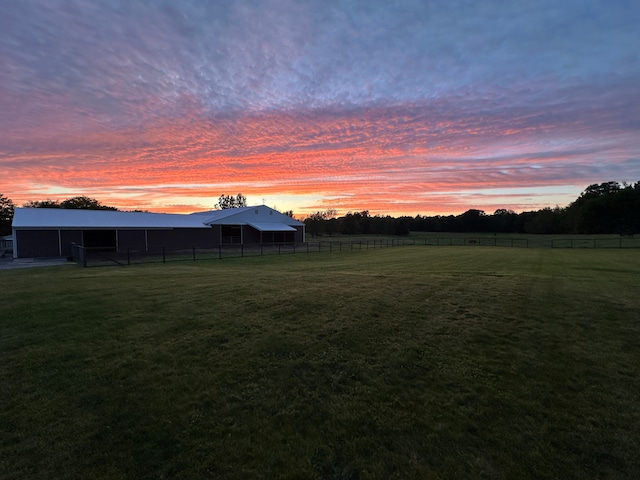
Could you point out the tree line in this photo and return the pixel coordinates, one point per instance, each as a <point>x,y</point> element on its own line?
<point>608,207</point>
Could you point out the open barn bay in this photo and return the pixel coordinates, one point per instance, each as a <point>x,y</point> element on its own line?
<point>408,362</point>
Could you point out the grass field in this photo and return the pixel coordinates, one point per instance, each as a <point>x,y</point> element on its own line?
<point>407,362</point>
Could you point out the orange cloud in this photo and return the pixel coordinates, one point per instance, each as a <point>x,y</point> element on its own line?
<point>395,161</point>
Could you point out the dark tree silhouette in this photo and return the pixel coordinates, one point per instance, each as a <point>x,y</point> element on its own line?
<point>80,202</point>
<point>229,201</point>
<point>6,214</point>
<point>608,207</point>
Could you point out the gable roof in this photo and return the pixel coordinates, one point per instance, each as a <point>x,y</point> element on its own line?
<point>246,216</point>
<point>78,218</point>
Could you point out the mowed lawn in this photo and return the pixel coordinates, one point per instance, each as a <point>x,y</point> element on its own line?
<point>405,362</point>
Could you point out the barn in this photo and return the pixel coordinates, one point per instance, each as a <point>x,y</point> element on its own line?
<point>51,232</point>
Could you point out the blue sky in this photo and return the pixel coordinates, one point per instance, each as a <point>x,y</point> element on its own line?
<point>408,107</point>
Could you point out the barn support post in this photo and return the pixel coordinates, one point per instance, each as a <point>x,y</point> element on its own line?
<point>194,253</point>
<point>128,256</point>
<point>164,257</point>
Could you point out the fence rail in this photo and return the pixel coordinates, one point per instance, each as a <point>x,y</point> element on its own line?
<point>91,257</point>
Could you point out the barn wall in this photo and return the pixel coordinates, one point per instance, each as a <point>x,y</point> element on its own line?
<point>181,238</point>
<point>36,243</point>
<point>250,234</point>
<point>216,232</point>
<point>68,237</point>
<point>132,239</point>
<point>299,234</point>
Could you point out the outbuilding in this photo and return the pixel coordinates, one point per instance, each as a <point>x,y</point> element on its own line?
<point>51,232</point>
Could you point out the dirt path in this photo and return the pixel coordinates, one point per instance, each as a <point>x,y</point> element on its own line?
<point>9,263</point>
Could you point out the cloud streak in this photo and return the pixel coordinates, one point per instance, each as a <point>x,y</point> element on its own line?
<point>406,108</point>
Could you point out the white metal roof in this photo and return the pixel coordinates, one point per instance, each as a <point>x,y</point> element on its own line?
<point>246,215</point>
<point>77,218</point>
<point>271,227</point>
<point>268,219</point>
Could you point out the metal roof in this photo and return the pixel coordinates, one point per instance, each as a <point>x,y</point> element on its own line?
<point>77,218</point>
<point>268,219</point>
<point>271,227</point>
<point>246,215</point>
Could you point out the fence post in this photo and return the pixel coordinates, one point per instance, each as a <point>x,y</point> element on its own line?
<point>128,256</point>
<point>242,250</point>
<point>279,245</point>
<point>219,252</point>
<point>194,253</point>
<point>261,249</point>
<point>294,247</point>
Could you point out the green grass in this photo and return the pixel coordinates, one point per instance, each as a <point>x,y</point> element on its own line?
<point>407,362</point>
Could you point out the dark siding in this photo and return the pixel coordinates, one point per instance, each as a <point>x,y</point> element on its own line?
<point>181,238</point>
<point>216,231</point>
<point>131,239</point>
<point>299,234</point>
<point>250,235</point>
<point>37,243</point>
<point>67,237</point>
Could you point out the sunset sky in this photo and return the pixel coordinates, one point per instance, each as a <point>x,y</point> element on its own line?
<point>396,107</point>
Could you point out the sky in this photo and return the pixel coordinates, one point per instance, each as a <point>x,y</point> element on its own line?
<point>406,107</point>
